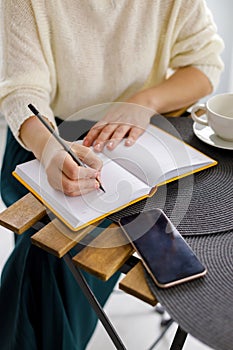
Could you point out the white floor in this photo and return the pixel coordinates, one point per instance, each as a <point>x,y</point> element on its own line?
<point>136,322</point>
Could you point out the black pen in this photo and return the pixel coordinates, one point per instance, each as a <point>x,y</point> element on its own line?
<point>59,139</point>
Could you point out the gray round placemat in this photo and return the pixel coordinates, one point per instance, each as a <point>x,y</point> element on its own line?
<point>197,204</point>
<point>204,307</point>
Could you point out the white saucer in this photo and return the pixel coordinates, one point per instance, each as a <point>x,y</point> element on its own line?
<point>207,135</point>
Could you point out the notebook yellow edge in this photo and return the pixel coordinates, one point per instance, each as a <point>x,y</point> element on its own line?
<point>38,196</point>
<point>188,173</point>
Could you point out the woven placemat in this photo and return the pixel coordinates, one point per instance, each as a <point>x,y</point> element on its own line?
<point>198,204</point>
<point>204,307</point>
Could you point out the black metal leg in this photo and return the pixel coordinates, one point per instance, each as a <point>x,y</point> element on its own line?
<point>179,339</point>
<point>94,303</point>
<point>168,325</point>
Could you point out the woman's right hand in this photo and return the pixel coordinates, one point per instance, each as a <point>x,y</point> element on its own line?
<point>65,175</point>
<point>62,171</point>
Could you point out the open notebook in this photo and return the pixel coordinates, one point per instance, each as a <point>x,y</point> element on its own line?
<point>129,174</point>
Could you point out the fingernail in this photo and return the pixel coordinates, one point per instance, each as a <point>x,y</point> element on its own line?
<point>97,147</point>
<point>97,185</point>
<point>110,145</point>
<point>128,142</point>
<point>85,141</point>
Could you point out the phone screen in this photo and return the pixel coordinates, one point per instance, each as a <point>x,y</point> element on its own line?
<point>164,252</point>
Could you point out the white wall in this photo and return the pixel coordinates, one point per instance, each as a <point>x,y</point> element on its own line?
<point>222,12</point>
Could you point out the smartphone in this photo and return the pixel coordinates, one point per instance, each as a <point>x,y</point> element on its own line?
<point>165,254</point>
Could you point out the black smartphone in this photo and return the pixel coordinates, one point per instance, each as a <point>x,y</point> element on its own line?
<point>164,252</point>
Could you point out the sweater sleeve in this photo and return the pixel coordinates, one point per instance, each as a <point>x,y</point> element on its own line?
<point>196,41</point>
<point>24,72</point>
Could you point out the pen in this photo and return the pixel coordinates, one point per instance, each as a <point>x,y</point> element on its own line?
<point>59,139</point>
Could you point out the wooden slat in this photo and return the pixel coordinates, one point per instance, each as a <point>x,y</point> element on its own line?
<point>134,283</point>
<point>107,253</point>
<point>23,214</point>
<point>57,239</point>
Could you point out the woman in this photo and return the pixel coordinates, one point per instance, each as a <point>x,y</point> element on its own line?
<point>63,56</point>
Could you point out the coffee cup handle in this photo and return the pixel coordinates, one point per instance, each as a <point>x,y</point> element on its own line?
<point>195,117</point>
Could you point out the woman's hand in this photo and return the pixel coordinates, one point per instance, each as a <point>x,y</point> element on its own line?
<point>128,120</point>
<point>183,88</point>
<point>65,175</point>
<point>62,172</point>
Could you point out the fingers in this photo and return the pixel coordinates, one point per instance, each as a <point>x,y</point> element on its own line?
<point>111,135</point>
<point>66,176</point>
<point>114,128</point>
<point>93,133</point>
<point>73,187</point>
<point>133,136</point>
<point>88,156</point>
<point>118,135</point>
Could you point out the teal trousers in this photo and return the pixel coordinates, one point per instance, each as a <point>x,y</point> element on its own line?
<point>41,304</point>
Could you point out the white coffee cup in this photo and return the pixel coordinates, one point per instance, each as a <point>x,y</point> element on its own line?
<point>219,113</point>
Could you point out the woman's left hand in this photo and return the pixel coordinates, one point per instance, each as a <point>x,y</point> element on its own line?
<point>128,119</point>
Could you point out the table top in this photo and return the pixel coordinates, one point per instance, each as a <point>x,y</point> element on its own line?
<point>203,307</point>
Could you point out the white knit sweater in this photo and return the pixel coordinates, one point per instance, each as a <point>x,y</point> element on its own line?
<point>65,55</point>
